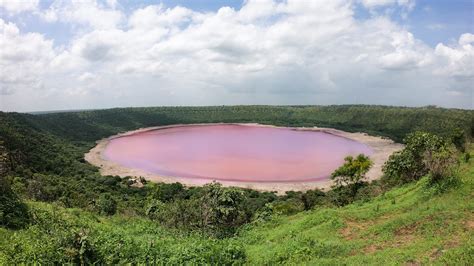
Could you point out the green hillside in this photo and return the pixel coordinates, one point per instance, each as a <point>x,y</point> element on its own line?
<point>404,226</point>
<point>407,225</point>
<point>393,122</point>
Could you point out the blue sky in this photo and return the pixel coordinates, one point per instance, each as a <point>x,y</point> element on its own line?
<point>94,53</point>
<point>435,21</point>
<point>432,21</point>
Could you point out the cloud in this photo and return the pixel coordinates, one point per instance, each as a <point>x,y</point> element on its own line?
<point>409,4</point>
<point>466,39</point>
<point>14,7</point>
<point>457,61</point>
<point>387,7</point>
<point>268,52</point>
<point>23,58</point>
<point>84,12</point>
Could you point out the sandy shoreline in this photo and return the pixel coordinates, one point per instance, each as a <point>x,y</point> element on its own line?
<point>382,149</point>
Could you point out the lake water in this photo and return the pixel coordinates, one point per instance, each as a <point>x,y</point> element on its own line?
<point>239,153</point>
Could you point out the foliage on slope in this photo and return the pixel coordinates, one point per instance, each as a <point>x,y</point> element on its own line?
<point>61,235</point>
<point>407,225</point>
<point>410,224</point>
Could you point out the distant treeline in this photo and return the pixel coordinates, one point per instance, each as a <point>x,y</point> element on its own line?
<point>392,122</point>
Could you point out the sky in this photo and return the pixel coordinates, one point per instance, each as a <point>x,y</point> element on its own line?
<point>89,54</point>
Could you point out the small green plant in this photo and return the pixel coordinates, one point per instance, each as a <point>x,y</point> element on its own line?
<point>466,157</point>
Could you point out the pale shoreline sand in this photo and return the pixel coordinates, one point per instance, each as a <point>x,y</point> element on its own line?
<point>382,149</point>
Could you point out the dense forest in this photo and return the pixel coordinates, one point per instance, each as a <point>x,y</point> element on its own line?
<point>41,160</point>
<point>392,122</point>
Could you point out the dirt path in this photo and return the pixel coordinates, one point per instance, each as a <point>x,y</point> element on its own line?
<point>382,149</point>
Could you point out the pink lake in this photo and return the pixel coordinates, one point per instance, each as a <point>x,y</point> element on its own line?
<point>239,153</point>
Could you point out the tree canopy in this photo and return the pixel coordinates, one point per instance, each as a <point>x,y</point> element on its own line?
<point>352,171</point>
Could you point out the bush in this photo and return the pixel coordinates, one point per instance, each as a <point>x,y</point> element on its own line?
<point>264,214</point>
<point>155,210</point>
<point>312,198</point>
<point>466,157</point>
<point>458,138</point>
<point>288,207</point>
<point>441,163</point>
<point>168,192</point>
<point>408,164</point>
<point>105,204</point>
<point>343,195</point>
<point>368,191</point>
<point>186,214</point>
<point>221,208</point>
<point>13,212</point>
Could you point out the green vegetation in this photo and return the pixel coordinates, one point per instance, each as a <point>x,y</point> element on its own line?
<point>13,212</point>
<point>56,208</point>
<point>352,171</point>
<point>404,225</point>
<point>424,153</point>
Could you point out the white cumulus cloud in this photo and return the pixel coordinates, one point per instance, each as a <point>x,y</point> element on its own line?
<point>267,52</point>
<point>18,6</point>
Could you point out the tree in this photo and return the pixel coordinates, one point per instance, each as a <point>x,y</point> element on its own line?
<point>168,192</point>
<point>221,207</point>
<point>3,160</point>
<point>408,164</point>
<point>352,171</point>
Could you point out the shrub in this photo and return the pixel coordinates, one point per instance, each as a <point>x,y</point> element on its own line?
<point>467,157</point>
<point>343,195</point>
<point>368,191</point>
<point>312,198</point>
<point>168,192</point>
<point>105,204</point>
<point>221,207</point>
<point>441,163</point>
<point>264,214</point>
<point>82,251</point>
<point>408,164</point>
<point>458,138</point>
<point>255,201</point>
<point>13,212</point>
<point>288,207</point>
<point>155,210</point>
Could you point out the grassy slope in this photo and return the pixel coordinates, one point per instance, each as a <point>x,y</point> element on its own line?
<point>55,238</point>
<point>406,225</point>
